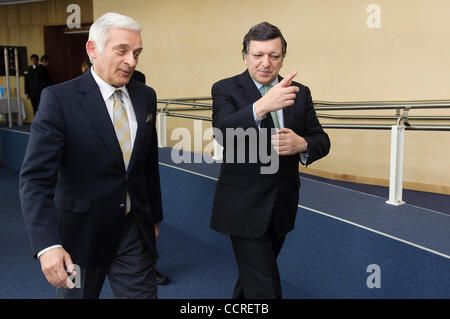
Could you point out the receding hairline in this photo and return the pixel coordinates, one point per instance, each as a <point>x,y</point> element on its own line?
<point>279,38</point>
<point>123,43</point>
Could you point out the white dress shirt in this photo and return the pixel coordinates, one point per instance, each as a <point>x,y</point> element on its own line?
<point>107,92</point>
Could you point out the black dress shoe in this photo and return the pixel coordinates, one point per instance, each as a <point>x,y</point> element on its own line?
<point>161,279</point>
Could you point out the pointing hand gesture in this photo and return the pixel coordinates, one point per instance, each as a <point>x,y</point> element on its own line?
<point>280,96</point>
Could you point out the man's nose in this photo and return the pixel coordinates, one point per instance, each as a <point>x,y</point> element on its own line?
<point>130,59</point>
<point>266,60</point>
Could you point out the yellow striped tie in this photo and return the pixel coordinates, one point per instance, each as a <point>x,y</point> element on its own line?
<point>122,128</point>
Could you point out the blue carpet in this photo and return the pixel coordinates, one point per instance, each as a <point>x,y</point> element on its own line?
<point>196,269</point>
<point>323,257</point>
<point>433,201</point>
<point>20,274</point>
<point>410,223</point>
<point>329,259</point>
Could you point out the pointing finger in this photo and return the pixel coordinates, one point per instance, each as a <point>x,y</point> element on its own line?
<point>287,80</point>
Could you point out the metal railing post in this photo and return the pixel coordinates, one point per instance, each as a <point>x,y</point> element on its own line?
<point>396,168</point>
<point>8,94</point>
<point>162,127</point>
<point>19,105</point>
<point>218,151</point>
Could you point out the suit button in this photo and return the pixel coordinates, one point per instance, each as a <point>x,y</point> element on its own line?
<point>122,205</point>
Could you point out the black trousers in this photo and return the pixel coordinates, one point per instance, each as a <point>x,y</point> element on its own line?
<point>258,270</point>
<point>34,103</point>
<point>131,272</point>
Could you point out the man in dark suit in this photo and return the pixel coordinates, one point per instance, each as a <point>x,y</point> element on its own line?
<point>256,204</point>
<point>37,79</point>
<point>160,278</point>
<point>31,82</point>
<point>89,184</point>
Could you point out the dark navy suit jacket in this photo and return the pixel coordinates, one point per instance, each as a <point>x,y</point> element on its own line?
<point>73,181</point>
<point>246,202</point>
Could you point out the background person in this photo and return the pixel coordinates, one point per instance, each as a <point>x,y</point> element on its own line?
<point>37,79</point>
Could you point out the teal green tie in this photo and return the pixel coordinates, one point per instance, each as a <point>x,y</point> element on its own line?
<point>273,114</point>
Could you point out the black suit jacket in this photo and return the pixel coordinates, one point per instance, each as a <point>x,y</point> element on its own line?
<point>246,202</point>
<point>138,76</point>
<point>36,80</point>
<point>73,181</point>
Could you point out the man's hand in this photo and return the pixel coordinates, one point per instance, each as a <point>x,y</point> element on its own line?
<point>156,231</point>
<point>286,142</point>
<point>279,97</point>
<point>54,264</point>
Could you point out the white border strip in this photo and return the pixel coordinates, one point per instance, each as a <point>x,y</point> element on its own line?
<point>331,216</point>
<point>187,171</point>
<point>12,130</point>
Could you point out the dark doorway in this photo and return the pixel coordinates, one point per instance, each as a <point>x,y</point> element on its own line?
<point>67,49</point>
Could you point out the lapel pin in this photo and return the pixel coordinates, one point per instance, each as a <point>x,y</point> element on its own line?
<point>149,118</point>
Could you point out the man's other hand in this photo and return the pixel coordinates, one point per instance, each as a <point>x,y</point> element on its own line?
<point>286,142</point>
<point>54,264</point>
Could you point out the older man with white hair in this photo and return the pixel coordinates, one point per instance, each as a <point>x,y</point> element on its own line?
<point>89,184</point>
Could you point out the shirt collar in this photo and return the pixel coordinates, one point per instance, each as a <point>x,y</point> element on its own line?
<point>106,89</point>
<point>259,85</point>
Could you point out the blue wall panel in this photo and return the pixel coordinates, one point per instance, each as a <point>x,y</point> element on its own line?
<point>13,146</point>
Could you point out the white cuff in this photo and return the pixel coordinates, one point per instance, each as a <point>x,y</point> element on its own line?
<point>47,249</point>
<point>255,116</point>
<point>304,157</point>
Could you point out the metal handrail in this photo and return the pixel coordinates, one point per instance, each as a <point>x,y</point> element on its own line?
<point>202,98</point>
<point>185,103</point>
<point>331,102</point>
<point>409,102</point>
<point>397,130</point>
<point>187,109</point>
<point>372,105</point>
<point>339,106</point>
<point>386,127</point>
<point>193,117</point>
<point>383,107</point>
<point>380,117</point>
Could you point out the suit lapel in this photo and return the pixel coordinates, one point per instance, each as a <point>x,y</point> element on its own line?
<point>95,109</point>
<point>248,87</point>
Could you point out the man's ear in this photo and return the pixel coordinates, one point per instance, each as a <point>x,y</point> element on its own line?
<point>244,57</point>
<point>91,49</point>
